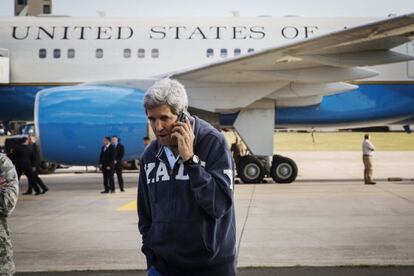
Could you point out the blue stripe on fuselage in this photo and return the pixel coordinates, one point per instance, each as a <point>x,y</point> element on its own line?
<point>368,103</point>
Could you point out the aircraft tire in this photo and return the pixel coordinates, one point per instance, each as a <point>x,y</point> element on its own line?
<point>47,167</point>
<point>283,170</point>
<point>133,164</point>
<point>250,170</point>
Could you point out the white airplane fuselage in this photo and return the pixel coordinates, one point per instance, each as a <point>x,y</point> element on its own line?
<point>144,48</point>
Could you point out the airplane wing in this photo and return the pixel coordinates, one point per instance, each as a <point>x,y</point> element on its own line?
<point>360,46</point>
<point>301,73</point>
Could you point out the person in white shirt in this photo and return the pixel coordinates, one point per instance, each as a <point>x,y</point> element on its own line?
<point>367,151</point>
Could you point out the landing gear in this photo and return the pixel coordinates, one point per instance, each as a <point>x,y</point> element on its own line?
<point>253,169</point>
<point>250,169</point>
<point>283,170</point>
<point>47,167</point>
<point>132,165</point>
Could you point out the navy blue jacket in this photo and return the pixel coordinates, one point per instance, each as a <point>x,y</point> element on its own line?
<point>186,213</point>
<point>107,157</point>
<point>120,152</point>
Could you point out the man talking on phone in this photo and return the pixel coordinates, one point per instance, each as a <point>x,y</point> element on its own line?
<point>185,190</point>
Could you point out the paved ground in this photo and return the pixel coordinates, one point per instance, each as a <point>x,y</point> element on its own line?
<point>348,165</point>
<point>334,222</point>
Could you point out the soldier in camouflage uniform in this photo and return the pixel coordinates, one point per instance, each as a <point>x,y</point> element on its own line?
<point>9,190</point>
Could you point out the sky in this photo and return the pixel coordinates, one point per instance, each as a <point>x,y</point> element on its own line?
<point>144,8</point>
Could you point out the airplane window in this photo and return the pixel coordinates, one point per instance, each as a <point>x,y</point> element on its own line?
<point>56,53</point>
<point>223,53</point>
<point>141,53</point>
<point>210,53</point>
<point>71,53</point>
<point>155,53</point>
<point>42,53</point>
<point>250,50</point>
<point>237,52</point>
<point>99,53</point>
<point>127,53</point>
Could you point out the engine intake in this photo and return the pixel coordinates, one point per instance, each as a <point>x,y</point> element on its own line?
<point>72,121</point>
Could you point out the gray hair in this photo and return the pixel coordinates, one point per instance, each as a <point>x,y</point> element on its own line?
<point>169,92</point>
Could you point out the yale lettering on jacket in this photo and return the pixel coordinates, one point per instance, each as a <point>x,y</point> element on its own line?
<point>161,172</point>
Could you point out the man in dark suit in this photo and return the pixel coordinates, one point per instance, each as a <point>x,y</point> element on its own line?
<point>107,162</point>
<point>23,154</point>
<point>36,163</point>
<point>120,151</point>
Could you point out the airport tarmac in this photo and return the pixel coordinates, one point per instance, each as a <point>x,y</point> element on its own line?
<point>325,220</point>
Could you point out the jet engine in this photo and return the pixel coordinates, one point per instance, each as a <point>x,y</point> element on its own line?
<point>71,122</point>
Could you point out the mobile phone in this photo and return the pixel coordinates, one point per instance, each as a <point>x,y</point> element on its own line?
<point>181,117</point>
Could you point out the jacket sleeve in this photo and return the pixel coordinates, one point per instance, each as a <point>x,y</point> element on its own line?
<point>144,214</point>
<point>121,152</point>
<point>101,157</point>
<point>35,157</point>
<point>212,185</point>
<point>9,192</point>
<point>113,155</point>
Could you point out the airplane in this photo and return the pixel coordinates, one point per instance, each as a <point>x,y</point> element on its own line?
<point>80,79</point>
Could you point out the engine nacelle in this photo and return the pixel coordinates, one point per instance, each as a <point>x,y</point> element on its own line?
<point>71,122</point>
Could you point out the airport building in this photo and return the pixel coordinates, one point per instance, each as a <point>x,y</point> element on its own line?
<point>32,7</point>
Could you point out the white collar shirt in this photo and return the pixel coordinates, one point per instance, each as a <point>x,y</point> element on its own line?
<point>172,159</point>
<point>367,148</point>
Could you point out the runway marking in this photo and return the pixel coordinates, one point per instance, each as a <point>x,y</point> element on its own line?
<point>131,206</point>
